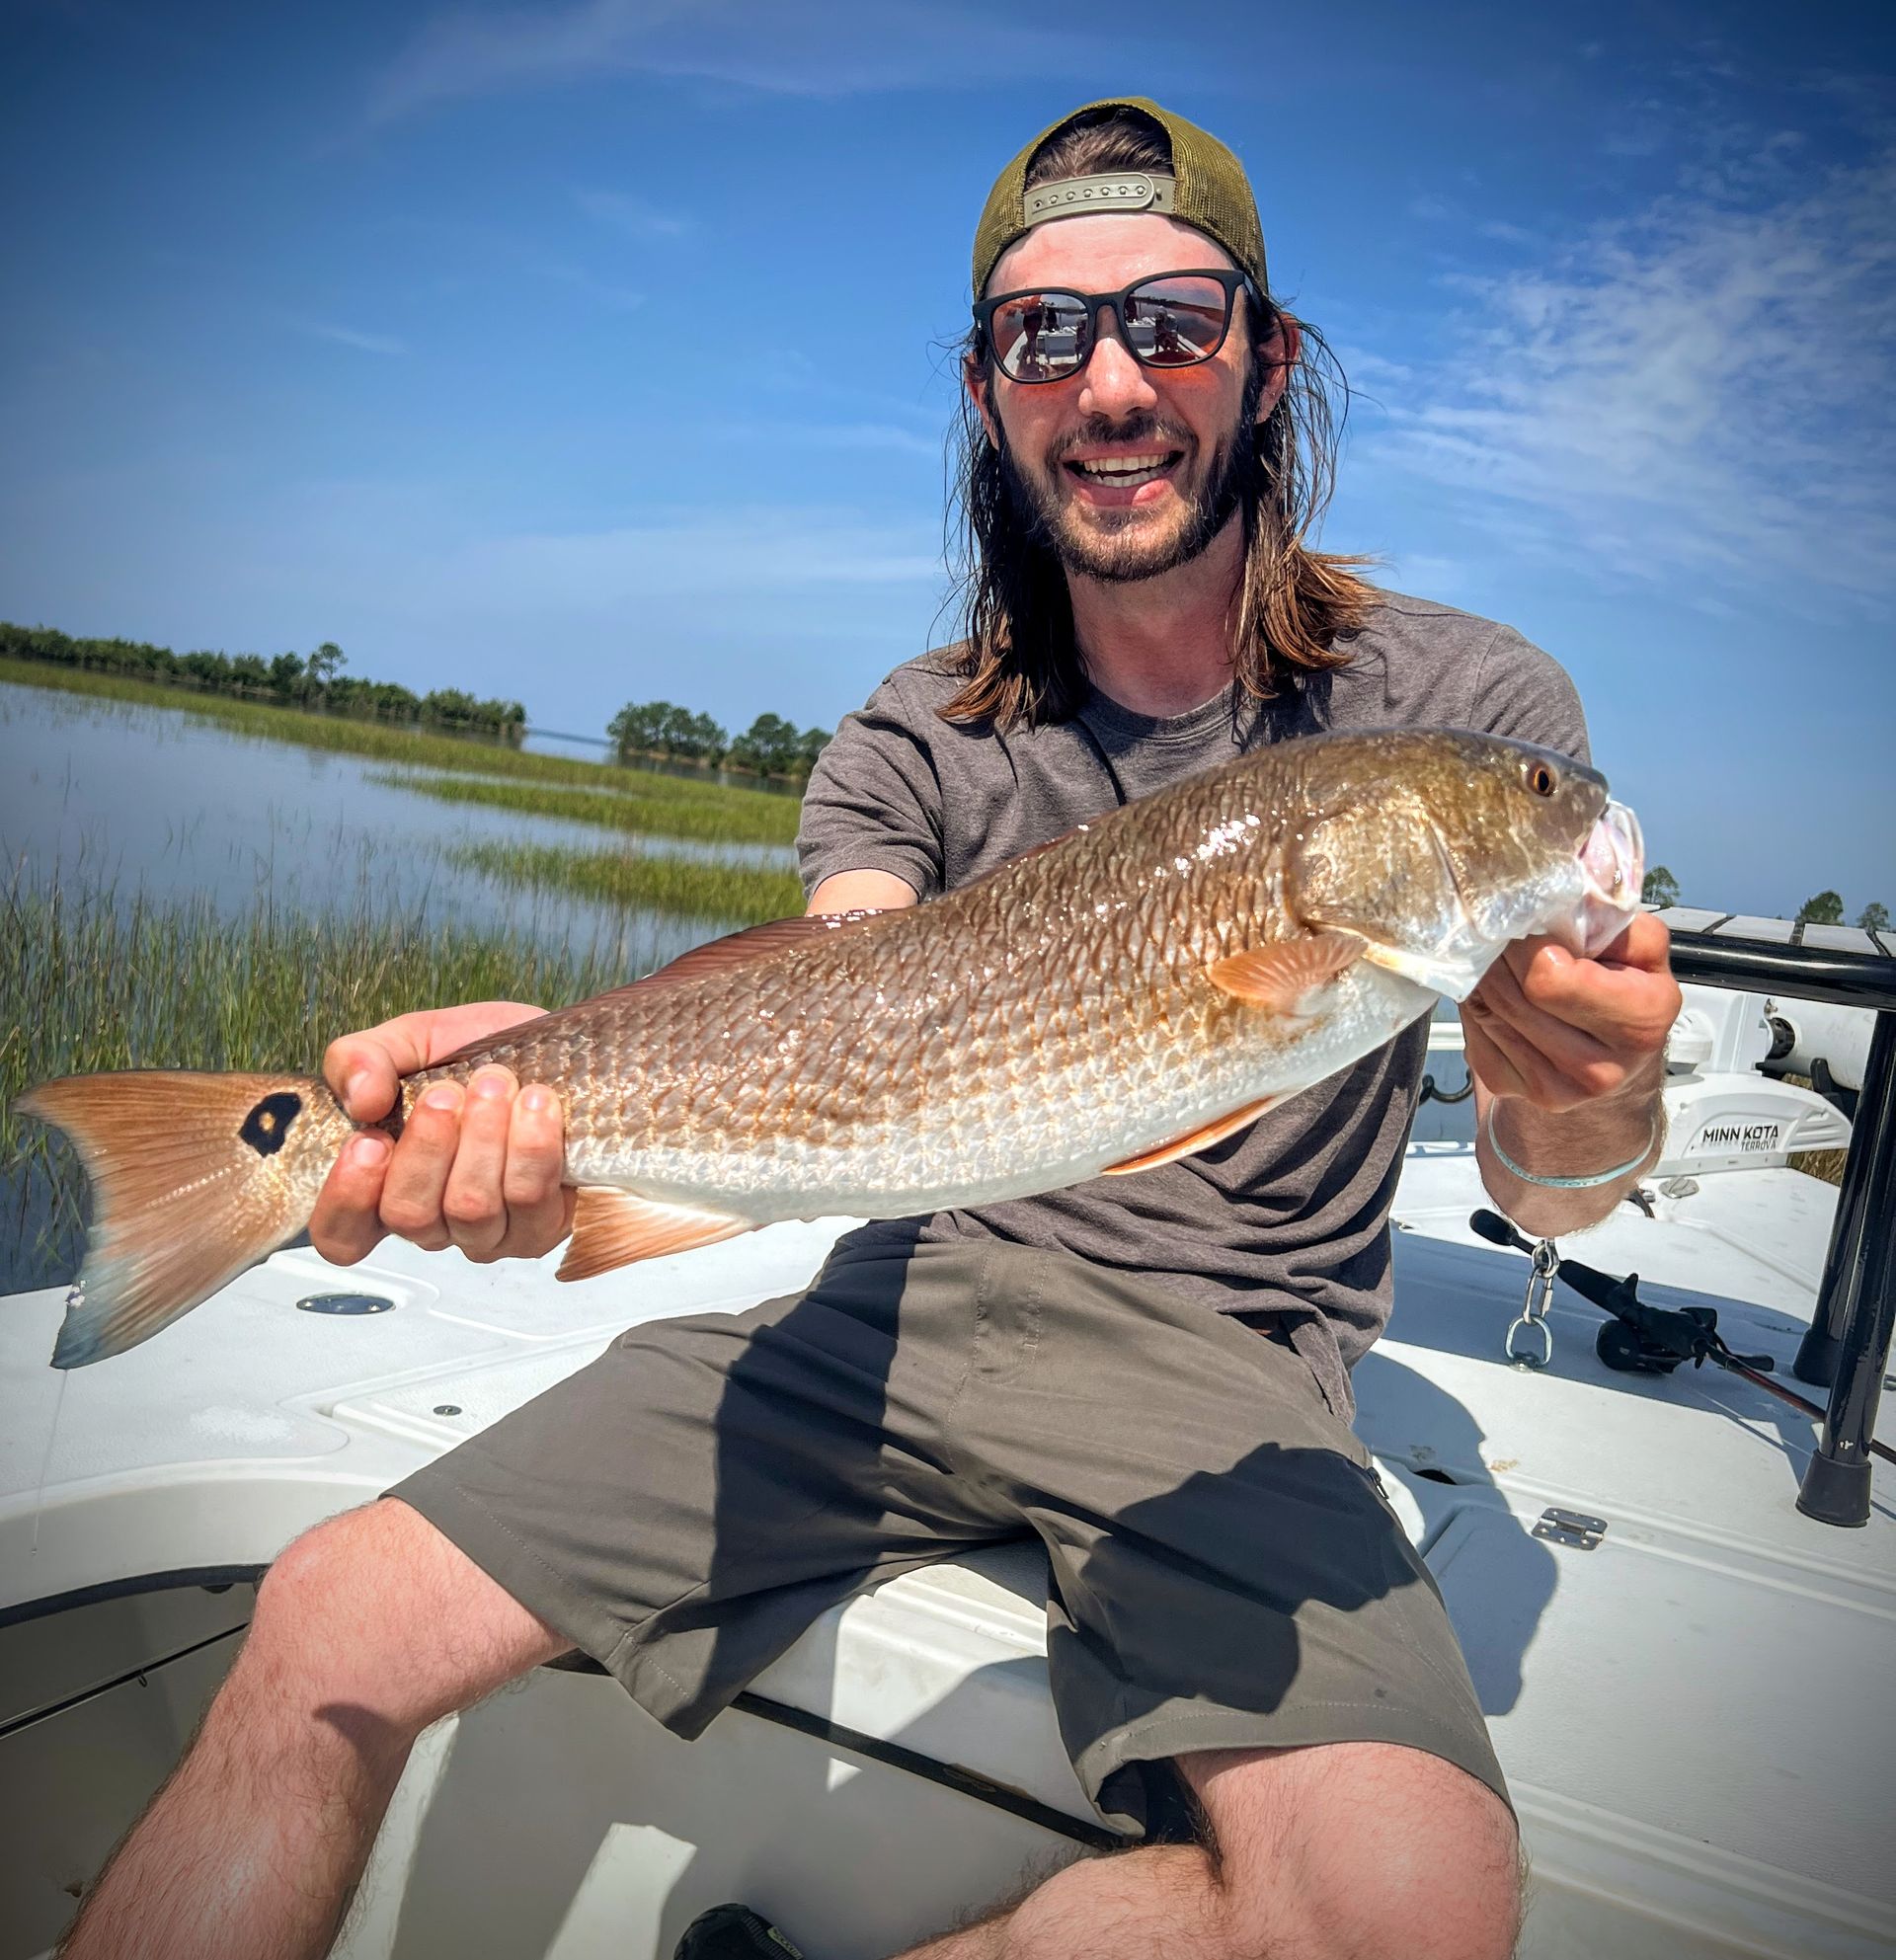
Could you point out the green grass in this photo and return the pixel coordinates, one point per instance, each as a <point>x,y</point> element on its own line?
<point>87,983</point>
<point>684,887</point>
<point>669,805</point>
<point>652,805</point>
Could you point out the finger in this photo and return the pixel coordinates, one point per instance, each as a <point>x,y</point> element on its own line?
<point>1628,1007</point>
<point>1486,1061</point>
<point>1531,1074</point>
<point>1646,943</point>
<point>472,1206</point>
<point>539,1209</point>
<point>1586,1062</point>
<point>362,1069</point>
<point>1541,1083</point>
<point>346,1226</point>
<point>418,1172</point>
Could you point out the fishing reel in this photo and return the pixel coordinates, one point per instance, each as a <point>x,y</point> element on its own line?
<point>1626,1347</point>
<point>1634,1338</point>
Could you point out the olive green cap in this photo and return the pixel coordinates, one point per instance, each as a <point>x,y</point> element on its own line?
<point>1208,190</point>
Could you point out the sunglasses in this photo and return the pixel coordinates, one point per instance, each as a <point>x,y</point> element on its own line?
<point>1171,320</point>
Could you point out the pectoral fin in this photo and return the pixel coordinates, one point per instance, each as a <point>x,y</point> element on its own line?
<point>1195,1140</point>
<point>613,1227</point>
<point>1280,975</point>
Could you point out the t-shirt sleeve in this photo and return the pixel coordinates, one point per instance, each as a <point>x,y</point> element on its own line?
<point>873,802</point>
<point>1526,694</point>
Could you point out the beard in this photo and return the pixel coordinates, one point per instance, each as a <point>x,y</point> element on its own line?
<point>1122,546</point>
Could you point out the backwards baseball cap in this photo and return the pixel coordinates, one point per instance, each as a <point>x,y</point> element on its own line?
<point>1206,189</point>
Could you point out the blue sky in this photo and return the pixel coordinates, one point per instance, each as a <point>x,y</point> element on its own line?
<point>594,351</point>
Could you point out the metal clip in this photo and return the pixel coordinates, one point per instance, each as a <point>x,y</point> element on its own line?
<point>1534,1309</point>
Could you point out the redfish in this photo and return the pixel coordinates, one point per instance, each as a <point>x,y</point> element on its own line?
<point>1130,993</point>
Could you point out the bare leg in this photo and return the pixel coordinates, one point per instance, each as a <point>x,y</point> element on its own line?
<point>367,1630</point>
<point>1347,1851</point>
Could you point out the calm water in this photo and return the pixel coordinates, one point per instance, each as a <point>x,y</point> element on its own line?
<point>130,799</point>
<point>137,797</point>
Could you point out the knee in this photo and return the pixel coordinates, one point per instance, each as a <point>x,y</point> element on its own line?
<point>1469,1910</point>
<point>1421,1860</point>
<point>328,1609</point>
<point>340,1632</point>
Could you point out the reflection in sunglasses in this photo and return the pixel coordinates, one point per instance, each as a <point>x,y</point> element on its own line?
<point>1172,320</point>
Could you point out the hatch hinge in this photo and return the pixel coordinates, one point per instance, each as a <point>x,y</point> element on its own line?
<point>1570,1527</point>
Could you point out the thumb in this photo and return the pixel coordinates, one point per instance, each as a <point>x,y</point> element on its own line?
<point>365,1069</point>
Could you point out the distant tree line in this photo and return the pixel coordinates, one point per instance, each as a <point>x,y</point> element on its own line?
<point>769,746</point>
<point>1826,908</point>
<point>314,682</point>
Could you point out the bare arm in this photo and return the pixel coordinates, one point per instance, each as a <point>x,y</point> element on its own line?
<point>861,891</point>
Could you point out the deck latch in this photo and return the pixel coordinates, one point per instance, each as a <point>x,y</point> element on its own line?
<point>1570,1527</point>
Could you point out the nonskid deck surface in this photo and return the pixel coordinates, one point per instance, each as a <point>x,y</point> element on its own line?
<point>1693,1711</point>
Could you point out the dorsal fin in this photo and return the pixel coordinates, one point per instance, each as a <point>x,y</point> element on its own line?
<point>753,942</point>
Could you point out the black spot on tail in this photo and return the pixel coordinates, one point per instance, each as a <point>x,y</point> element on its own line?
<point>266,1127</point>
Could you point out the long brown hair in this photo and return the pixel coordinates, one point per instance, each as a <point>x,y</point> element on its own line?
<point>1018,656</point>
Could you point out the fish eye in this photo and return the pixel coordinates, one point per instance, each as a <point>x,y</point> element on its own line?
<point>1541,777</point>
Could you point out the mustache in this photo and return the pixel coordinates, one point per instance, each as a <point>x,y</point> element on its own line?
<point>1144,426</point>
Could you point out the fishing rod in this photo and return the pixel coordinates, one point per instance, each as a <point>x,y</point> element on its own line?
<point>1654,1340</point>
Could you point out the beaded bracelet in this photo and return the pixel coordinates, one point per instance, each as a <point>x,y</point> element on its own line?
<point>1591,1183</point>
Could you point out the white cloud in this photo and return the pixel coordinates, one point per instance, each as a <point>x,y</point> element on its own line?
<point>790,436</point>
<point>630,216</point>
<point>754,548</point>
<point>350,337</point>
<point>1704,389</point>
<point>619,298</point>
<point>818,48</point>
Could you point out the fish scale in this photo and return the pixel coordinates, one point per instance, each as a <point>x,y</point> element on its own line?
<point>1127,993</point>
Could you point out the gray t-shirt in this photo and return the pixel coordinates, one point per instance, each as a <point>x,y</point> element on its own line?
<point>1289,1219</point>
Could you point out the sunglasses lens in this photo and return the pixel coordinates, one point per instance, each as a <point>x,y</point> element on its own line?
<point>1042,336</point>
<point>1176,321</point>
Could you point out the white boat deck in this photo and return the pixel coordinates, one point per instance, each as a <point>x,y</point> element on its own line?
<point>1694,1713</point>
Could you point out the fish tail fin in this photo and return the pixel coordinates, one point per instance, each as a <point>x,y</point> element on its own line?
<point>194,1179</point>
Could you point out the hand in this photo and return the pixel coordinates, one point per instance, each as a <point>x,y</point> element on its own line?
<point>476,1166</point>
<point>1559,1031</point>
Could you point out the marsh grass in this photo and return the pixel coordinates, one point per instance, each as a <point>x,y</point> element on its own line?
<point>684,887</point>
<point>91,982</point>
<point>648,803</point>
<point>1825,1165</point>
<point>669,806</point>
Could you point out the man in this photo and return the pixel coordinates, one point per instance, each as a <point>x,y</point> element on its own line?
<point>1236,1619</point>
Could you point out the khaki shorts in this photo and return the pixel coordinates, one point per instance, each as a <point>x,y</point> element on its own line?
<point>1225,1572</point>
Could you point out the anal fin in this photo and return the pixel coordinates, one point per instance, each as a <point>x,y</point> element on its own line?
<point>613,1227</point>
<point>1195,1140</point>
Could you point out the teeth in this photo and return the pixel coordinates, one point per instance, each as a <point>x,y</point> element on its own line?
<point>1122,465</point>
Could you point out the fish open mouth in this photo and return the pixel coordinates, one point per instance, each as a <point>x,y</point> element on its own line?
<point>1612,863</point>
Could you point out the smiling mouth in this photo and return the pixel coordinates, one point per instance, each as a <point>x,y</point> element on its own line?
<point>1126,472</point>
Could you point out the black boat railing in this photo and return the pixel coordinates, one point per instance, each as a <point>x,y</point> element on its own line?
<point>1848,1346</point>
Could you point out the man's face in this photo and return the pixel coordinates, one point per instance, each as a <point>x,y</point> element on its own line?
<point>1192,425</point>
